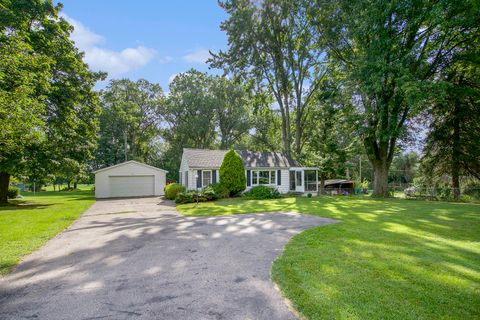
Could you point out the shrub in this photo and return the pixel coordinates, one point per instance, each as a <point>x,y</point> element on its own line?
<point>12,192</point>
<point>221,191</point>
<point>190,197</point>
<point>262,192</point>
<point>172,190</point>
<point>309,195</point>
<point>209,193</point>
<point>232,173</point>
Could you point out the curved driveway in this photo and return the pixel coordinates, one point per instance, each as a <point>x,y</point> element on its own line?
<point>139,259</point>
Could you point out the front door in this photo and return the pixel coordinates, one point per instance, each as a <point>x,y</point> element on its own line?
<point>296,181</point>
<point>299,181</point>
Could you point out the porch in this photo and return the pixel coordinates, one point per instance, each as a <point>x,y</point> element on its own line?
<point>303,180</point>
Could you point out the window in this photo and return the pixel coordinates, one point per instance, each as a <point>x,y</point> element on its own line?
<point>206,178</point>
<point>311,180</point>
<point>292,181</point>
<point>263,177</point>
<point>299,178</point>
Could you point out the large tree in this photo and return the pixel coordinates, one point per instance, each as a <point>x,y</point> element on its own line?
<point>58,101</point>
<point>452,143</point>
<point>273,43</point>
<point>130,124</point>
<point>391,52</point>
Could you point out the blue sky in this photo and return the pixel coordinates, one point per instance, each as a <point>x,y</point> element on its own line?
<point>146,39</point>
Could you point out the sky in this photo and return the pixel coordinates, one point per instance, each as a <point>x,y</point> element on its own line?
<point>153,40</point>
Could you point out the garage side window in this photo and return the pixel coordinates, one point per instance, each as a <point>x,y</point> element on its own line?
<point>206,178</point>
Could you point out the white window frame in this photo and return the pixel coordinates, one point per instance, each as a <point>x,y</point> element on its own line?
<point>203,179</point>
<point>272,179</point>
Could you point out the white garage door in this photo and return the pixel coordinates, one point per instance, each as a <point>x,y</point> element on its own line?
<point>131,186</point>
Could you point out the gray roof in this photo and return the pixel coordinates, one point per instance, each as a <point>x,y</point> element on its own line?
<point>202,158</point>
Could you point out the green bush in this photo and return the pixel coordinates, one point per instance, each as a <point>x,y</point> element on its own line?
<point>12,192</point>
<point>232,173</point>
<point>221,191</point>
<point>190,197</point>
<point>262,192</point>
<point>172,190</point>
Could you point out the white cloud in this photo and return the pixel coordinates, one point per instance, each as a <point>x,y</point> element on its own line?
<point>113,62</point>
<point>166,59</point>
<point>197,56</point>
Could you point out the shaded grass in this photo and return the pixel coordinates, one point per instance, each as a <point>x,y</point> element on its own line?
<point>388,259</point>
<point>27,224</point>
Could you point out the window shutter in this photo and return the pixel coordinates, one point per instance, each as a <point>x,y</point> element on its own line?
<point>279,177</point>
<point>199,179</point>
<point>214,176</point>
<point>186,180</point>
<point>249,181</point>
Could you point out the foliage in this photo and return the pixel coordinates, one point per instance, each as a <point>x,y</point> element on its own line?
<point>472,189</point>
<point>48,95</point>
<point>26,227</point>
<point>131,117</point>
<point>13,192</point>
<point>391,54</point>
<point>190,197</point>
<point>221,191</point>
<point>381,242</point>
<point>282,53</point>
<point>232,173</point>
<point>262,192</point>
<point>172,190</point>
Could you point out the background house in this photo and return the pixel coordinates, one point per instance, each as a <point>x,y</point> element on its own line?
<point>200,167</point>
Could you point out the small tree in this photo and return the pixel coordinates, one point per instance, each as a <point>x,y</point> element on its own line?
<point>232,173</point>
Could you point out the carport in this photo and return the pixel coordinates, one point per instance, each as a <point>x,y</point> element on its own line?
<point>129,179</point>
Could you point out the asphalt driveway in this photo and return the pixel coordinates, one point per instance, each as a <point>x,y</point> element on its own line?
<point>139,259</point>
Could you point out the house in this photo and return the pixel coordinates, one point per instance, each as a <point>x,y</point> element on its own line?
<point>129,179</point>
<point>200,167</point>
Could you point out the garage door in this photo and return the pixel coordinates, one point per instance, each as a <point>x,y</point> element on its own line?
<point>131,186</point>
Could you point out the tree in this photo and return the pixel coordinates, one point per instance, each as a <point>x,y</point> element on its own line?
<point>232,173</point>
<point>231,104</point>
<point>452,142</point>
<point>131,118</point>
<point>22,104</point>
<point>67,106</point>
<point>391,53</point>
<point>273,43</point>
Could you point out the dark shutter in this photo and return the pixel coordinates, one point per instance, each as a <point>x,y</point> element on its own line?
<point>214,176</point>
<point>199,179</point>
<point>279,177</point>
<point>249,182</point>
<point>186,180</point>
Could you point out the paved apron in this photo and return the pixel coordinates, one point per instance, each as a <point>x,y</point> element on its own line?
<point>139,259</point>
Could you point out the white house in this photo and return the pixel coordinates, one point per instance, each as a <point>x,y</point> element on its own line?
<point>129,179</point>
<point>200,167</point>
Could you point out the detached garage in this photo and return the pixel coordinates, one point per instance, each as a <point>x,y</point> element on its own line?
<point>129,179</point>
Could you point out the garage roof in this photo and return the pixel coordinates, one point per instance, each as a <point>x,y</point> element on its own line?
<point>130,162</point>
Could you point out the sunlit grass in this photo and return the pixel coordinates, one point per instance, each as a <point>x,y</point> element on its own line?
<point>388,259</point>
<point>31,222</point>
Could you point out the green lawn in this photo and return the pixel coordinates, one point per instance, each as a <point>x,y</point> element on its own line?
<point>388,259</point>
<point>32,221</point>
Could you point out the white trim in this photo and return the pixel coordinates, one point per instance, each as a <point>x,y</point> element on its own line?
<point>256,173</point>
<point>211,177</point>
<point>128,162</point>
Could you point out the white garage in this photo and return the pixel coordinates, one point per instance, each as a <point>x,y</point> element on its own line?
<point>129,179</point>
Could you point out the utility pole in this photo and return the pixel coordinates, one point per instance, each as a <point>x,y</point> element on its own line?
<point>125,143</point>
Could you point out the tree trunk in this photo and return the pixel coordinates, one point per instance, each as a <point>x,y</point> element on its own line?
<point>4,183</point>
<point>68,185</point>
<point>380,181</point>
<point>75,185</point>
<point>455,154</point>
<point>322,184</point>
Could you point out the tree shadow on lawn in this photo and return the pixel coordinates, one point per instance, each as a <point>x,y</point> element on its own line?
<point>401,258</point>
<point>144,264</point>
<point>26,206</point>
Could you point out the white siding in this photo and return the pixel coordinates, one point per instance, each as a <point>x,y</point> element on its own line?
<point>104,179</point>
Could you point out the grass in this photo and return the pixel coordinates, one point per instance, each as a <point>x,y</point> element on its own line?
<point>27,224</point>
<point>388,259</point>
